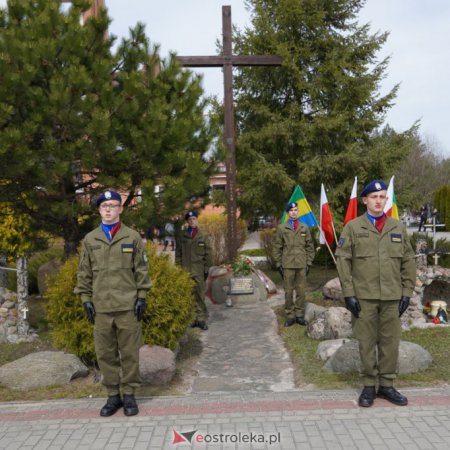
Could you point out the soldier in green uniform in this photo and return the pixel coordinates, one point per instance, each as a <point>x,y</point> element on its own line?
<point>293,254</point>
<point>377,269</point>
<point>193,253</point>
<point>113,281</point>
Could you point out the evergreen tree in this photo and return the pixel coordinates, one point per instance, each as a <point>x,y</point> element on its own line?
<point>313,119</point>
<point>77,116</point>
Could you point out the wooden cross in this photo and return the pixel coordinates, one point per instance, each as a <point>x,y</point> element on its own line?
<point>227,60</point>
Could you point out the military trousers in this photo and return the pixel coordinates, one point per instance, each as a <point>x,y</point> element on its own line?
<point>294,280</point>
<point>201,312</point>
<point>117,338</point>
<point>378,332</point>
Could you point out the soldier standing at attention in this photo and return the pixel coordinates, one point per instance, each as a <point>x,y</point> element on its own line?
<point>377,270</point>
<point>193,253</point>
<point>113,281</point>
<point>294,254</point>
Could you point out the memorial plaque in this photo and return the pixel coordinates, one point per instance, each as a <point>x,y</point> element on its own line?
<point>242,285</point>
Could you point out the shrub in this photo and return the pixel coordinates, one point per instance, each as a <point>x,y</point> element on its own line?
<point>267,237</point>
<point>215,225</point>
<point>169,307</point>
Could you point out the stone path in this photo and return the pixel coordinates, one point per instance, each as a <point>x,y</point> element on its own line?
<point>242,351</point>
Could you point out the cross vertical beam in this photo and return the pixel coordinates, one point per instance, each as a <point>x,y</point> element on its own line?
<point>227,60</point>
<point>229,134</point>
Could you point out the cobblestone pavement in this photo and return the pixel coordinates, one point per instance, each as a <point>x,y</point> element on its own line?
<point>294,420</point>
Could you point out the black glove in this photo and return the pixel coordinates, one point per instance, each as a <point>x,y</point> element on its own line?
<point>90,311</point>
<point>206,275</point>
<point>307,270</point>
<point>139,308</point>
<point>403,305</point>
<point>281,270</point>
<point>352,304</point>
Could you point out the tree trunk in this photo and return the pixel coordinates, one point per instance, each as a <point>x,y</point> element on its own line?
<point>3,273</point>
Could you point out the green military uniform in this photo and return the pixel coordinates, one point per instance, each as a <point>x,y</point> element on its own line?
<point>294,250</point>
<point>194,255</point>
<point>378,269</point>
<point>112,275</point>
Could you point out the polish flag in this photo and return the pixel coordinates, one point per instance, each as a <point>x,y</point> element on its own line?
<point>326,221</point>
<point>391,208</point>
<point>352,208</point>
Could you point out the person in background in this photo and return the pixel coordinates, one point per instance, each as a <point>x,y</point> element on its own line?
<point>293,254</point>
<point>377,270</point>
<point>193,253</point>
<point>113,281</point>
<point>423,218</point>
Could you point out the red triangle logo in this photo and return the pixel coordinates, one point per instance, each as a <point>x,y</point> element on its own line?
<point>177,438</point>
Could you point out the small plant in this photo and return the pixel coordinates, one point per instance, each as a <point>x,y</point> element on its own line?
<point>242,267</point>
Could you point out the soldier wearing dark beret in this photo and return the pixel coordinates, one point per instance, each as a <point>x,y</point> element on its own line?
<point>113,281</point>
<point>376,266</point>
<point>293,254</point>
<point>193,253</point>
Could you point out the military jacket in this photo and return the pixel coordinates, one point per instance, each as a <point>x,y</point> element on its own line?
<point>194,254</point>
<point>293,249</point>
<point>375,265</point>
<point>112,275</point>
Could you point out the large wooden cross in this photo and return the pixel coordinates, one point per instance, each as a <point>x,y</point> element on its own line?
<point>227,60</point>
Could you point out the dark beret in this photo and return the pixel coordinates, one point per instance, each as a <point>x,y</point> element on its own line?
<point>108,195</point>
<point>291,205</point>
<point>374,186</point>
<point>190,214</point>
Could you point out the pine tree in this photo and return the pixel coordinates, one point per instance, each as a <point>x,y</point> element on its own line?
<point>77,115</point>
<point>312,119</point>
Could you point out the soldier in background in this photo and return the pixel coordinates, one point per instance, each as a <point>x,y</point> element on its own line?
<point>193,253</point>
<point>377,269</point>
<point>293,254</point>
<point>113,281</point>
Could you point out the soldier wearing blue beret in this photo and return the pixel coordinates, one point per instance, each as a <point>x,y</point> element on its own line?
<point>293,254</point>
<point>377,269</point>
<point>193,252</point>
<point>113,281</point>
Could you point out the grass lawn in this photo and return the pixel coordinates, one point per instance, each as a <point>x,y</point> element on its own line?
<point>308,369</point>
<point>90,385</point>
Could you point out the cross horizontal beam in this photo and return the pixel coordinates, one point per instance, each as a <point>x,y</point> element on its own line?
<point>234,60</point>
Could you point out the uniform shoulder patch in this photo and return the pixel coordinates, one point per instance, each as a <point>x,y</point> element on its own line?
<point>396,237</point>
<point>341,242</point>
<point>127,248</point>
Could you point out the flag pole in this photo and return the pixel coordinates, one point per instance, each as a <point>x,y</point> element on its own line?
<point>328,247</point>
<point>334,232</point>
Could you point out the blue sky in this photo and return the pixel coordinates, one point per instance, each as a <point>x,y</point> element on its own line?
<point>418,47</point>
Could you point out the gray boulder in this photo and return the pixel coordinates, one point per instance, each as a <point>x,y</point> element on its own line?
<point>326,349</point>
<point>42,369</point>
<point>312,311</point>
<point>333,289</point>
<point>412,358</point>
<point>333,323</point>
<point>156,364</point>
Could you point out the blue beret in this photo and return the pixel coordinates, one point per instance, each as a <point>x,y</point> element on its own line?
<point>108,195</point>
<point>190,214</point>
<point>291,205</point>
<point>374,186</point>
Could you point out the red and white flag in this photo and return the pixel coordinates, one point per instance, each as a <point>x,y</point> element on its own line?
<point>326,221</point>
<point>352,208</point>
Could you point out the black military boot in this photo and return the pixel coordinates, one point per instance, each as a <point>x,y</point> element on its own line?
<point>367,396</point>
<point>111,406</point>
<point>130,407</point>
<point>289,322</point>
<point>301,321</point>
<point>392,395</point>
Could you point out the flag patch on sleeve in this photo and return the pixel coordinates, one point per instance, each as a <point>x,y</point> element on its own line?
<point>127,248</point>
<point>396,237</point>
